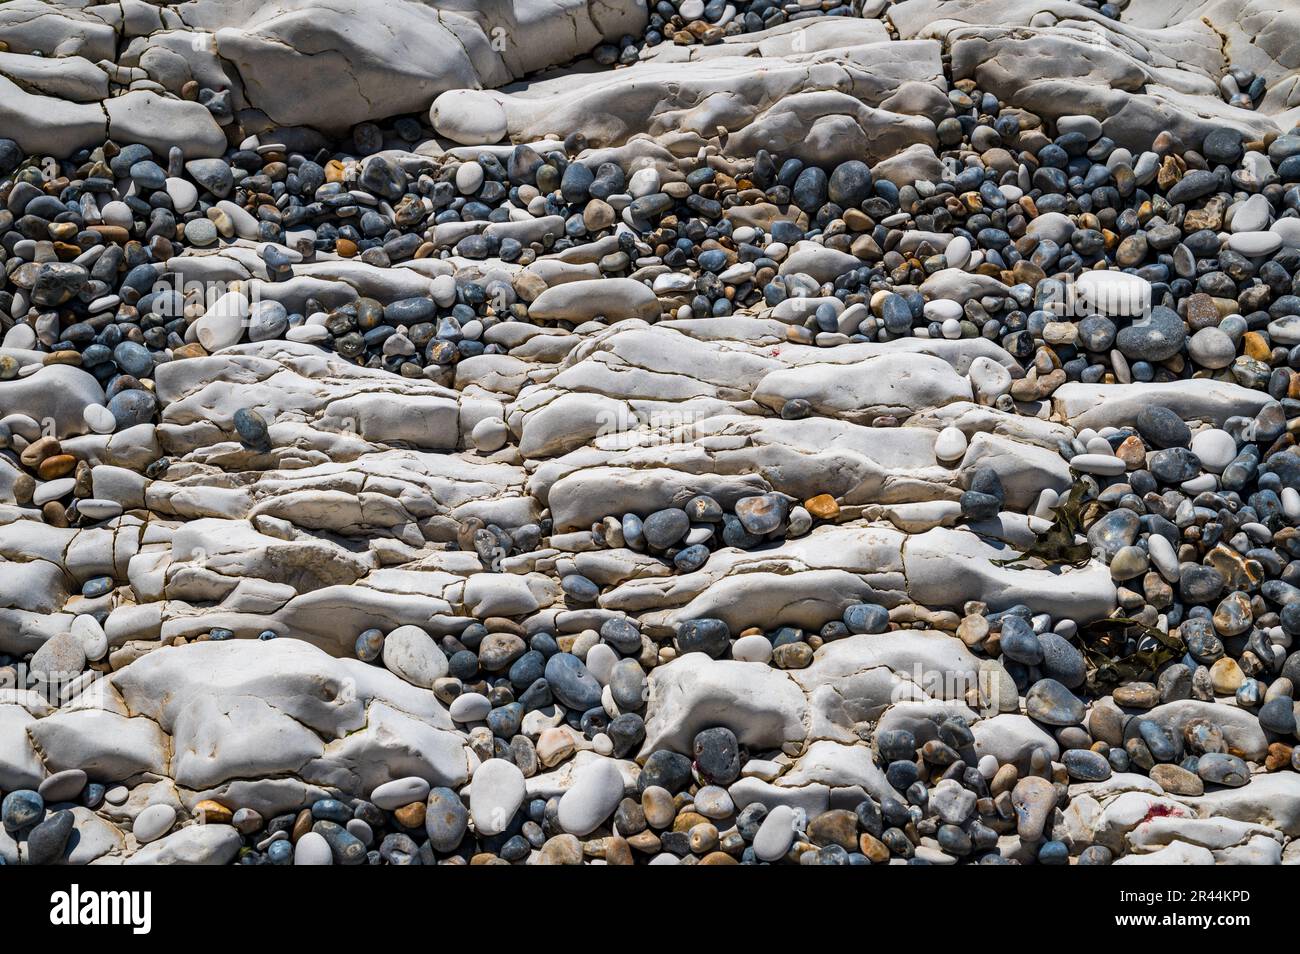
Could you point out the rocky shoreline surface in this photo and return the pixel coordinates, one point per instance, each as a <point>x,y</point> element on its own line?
<point>675,433</point>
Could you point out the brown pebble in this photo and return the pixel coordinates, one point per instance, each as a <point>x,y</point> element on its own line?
<point>210,812</point>
<point>411,816</point>
<point>301,825</point>
<point>54,514</point>
<point>718,858</point>
<point>60,465</point>
<point>823,507</point>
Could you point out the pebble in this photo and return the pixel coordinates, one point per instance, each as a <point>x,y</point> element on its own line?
<point>775,835</point>
<point>153,822</point>
<point>595,793</point>
<point>495,795</point>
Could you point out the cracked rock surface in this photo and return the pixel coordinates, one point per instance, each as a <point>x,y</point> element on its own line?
<point>673,433</point>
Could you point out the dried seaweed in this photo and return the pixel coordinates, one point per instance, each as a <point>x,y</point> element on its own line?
<point>1100,642</point>
<point>1056,546</point>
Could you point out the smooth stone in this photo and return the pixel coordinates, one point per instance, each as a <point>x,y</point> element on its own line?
<point>446,819</point>
<point>410,653</point>
<point>99,419</point>
<point>775,835</point>
<point>596,791</point>
<point>63,786</point>
<point>1100,464</point>
<point>753,648</point>
<point>312,849</point>
<point>571,683</point>
<point>152,823</point>
<point>1111,292</point>
<point>1215,449</point>
<point>950,445</point>
<point>1050,702</point>
<point>402,791</point>
<point>496,792</point>
<point>469,707</point>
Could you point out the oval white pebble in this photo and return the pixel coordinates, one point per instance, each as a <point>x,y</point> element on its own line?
<point>1291,503</point>
<point>950,445</point>
<point>1163,556</point>
<point>596,791</point>
<point>1101,464</point>
<point>91,635</point>
<point>53,490</point>
<point>99,419</point>
<point>152,823</point>
<point>1216,448</point>
<point>400,791</point>
<point>754,648</point>
<point>469,707</point>
<point>775,835</point>
<point>93,509</point>
<point>312,849</point>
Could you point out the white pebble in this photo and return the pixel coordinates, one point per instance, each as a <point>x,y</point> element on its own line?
<point>469,176</point>
<point>489,434</point>
<point>152,823</point>
<point>1108,466</point>
<point>400,791</point>
<point>91,635</point>
<point>1046,501</point>
<point>469,707</point>
<point>1291,503</point>
<point>1163,556</point>
<point>1199,484</point>
<point>99,419</point>
<point>312,849</point>
<point>753,648</point>
<point>950,445</point>
<point>1216,448</point>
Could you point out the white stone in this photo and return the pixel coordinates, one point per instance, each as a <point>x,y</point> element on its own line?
<point>152,823</point>
<point>1215,448</point>
<point>469,707</point>
<point>596,791</point>
<point>222,325</point>
<point>989,379</point>
<point>469,176</point>
<point>468,116</point>
<point>496,792</point>
<point>1163,556</point>
<point>1252,215</point>
<point>411,653</point>
<point>21,337</point>
<point>950,445</point>
<point>400,791</point>
<point>97,510</point>
<point>1105,464</point>
<point>312,849</point>
<point>490,434</point>
<point>1211,348</point>
<point>957,254</point>
<point>1112,292</point>
<point>1255,244</point>
<point>99,419</point>
<point>754,648</point>
<point>1291,503</point>
<point>643,182</point>
<point>183,194</point>
<point>53,490</point>
<point>93,640</point>
<point>776,834</point>
<point>943,309</point>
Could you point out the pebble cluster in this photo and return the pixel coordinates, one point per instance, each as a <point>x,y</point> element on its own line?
<point>691,22</point>
<point>1089,264</point>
